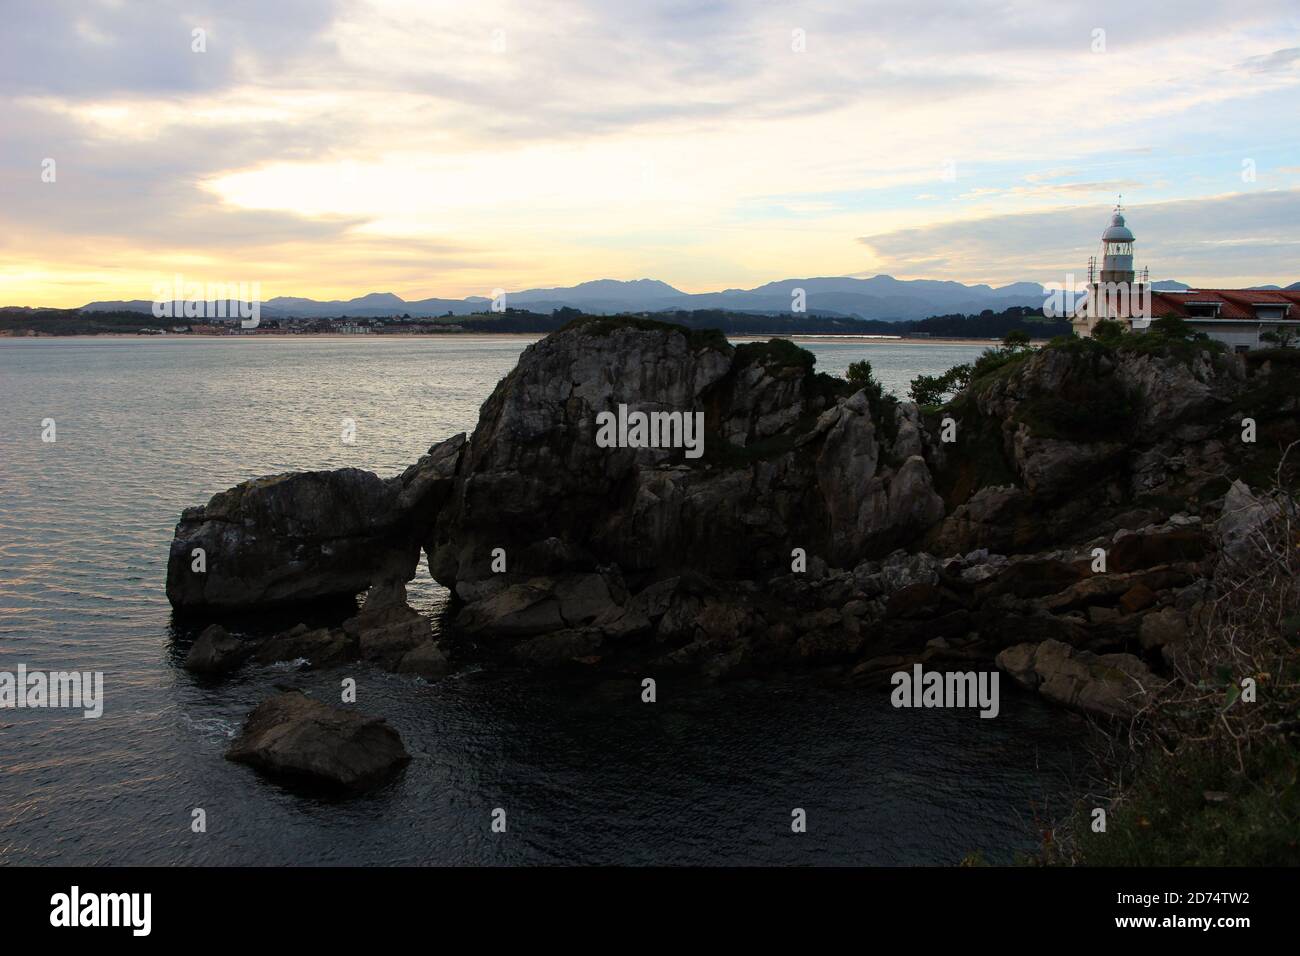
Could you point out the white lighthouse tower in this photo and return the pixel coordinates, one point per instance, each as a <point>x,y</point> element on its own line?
<point>1116,250</point>
<point>1115,291</point>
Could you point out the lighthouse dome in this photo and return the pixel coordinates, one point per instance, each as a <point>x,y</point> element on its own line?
<point>1117,231</point>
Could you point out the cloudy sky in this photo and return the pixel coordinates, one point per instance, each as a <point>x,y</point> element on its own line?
<point>426,148</point>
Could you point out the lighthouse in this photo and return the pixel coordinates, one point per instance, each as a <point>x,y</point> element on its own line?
<point>1117,250</point>
<point>1115,291</point>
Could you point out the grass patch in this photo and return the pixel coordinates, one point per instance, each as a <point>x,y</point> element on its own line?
<point>1195,810</point>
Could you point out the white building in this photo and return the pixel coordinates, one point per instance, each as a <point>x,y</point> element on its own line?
<point>1239,318</point>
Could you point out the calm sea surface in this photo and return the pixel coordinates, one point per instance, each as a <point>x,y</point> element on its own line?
<point>586,772</point>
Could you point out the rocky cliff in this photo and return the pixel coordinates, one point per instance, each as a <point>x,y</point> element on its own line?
<point>818,524</point>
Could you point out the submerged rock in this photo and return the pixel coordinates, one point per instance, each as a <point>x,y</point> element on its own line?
<point>291,735</point>
<point>428,660</point>
<point>216,651</point>
<point>317,647</point>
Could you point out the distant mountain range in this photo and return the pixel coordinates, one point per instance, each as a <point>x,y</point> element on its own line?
<point>880,297</point>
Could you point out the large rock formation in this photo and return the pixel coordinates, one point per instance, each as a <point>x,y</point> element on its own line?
<point>1061,443</point>
<point>304,536</point>
<point>790,460</point>
<point>819,525</point>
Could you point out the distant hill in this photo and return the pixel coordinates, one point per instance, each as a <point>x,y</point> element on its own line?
<point>880,297</point>
<point>984,325</point>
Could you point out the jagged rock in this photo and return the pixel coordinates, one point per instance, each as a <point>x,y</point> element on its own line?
<point>913,502</point>
<point>428,660</point>
<point>318,647</point>
<point>1137,598</point>
<point>1169,389</point>
<point>386,594</point>
<point>1035,629</point>
<point>1166,626</point>
<point>1034,577</point>
<point>921,600</point>
<point>558,647</point>
<point>386,627</point>
<point>608,548</point>
<point>980,566</point>
<point>1110,588</point>
<point>520,609</point>
<point>1113,685</point>
<point>987,519</point>
<point>910,439</point>
<point>895,572</point>
<point>879,669</point>
<point>293,736</point>
<point>584,598</point>
<point>830,646</point>
<point>1132,552</point>
<point>1098,614</point>
<point>824,619</point>
<point>787,463</point>
<point>1244,514</point>
<point>386,634</point>
<point>1049,466</point>
<point>293,538</point>
<point>216,651</point>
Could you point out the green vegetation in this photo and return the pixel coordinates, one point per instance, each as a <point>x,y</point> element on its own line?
<point>781,352</point>
<point>1015,349</point>
<point>883,406</point>
<point>603,325</point>
<point>931,391</point>
<point>988,325</point>
<point>74,322</point>
<point>1280,356</point>
<point>1171,336</point>
<point>1284,337</point>
<point>1081,413</point>
<point>1194,809</point>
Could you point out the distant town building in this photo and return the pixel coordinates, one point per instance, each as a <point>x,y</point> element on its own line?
<point>1242,319</point>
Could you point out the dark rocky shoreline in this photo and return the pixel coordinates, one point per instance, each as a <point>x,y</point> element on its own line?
<point>824,526</point>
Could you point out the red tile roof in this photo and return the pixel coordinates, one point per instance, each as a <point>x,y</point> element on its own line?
<point>1233,303</point>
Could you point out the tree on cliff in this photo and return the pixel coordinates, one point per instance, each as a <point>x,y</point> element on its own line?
<point>881,403</point>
